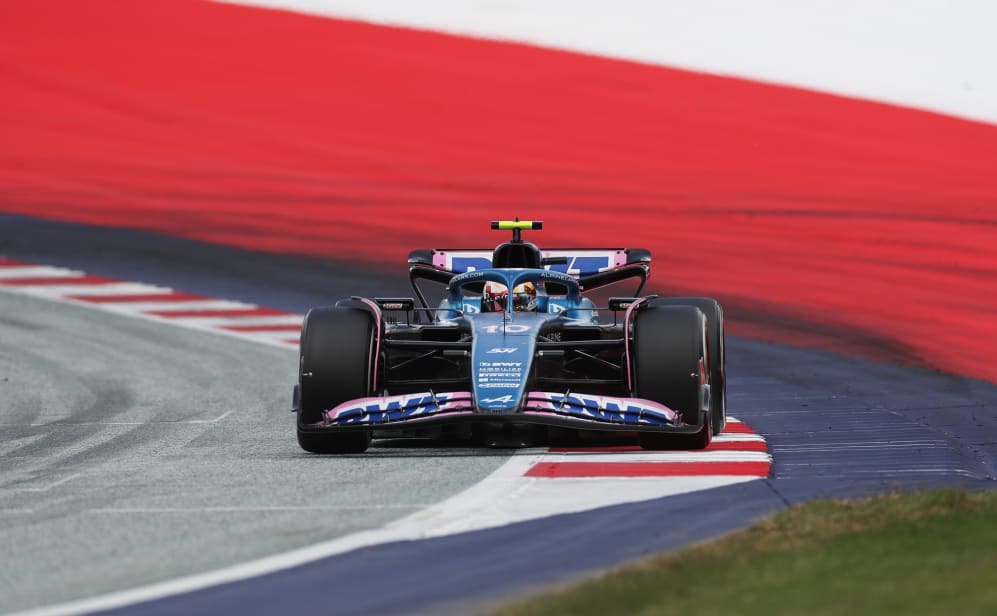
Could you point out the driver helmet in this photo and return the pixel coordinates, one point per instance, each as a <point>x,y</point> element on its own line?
<point>495,297</point>
<point>524,297</point>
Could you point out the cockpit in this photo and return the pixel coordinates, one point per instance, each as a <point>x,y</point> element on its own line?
<point>496,296</point>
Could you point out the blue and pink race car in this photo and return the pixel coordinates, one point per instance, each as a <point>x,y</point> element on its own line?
<point>515,351</point>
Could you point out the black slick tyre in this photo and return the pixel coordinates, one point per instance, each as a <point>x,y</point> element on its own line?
<point>668,362</point>
<point>716,356</point>
<point>336,364</point>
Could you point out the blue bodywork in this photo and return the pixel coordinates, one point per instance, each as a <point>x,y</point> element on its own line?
<point>497,356</point>
<point>504,343</point>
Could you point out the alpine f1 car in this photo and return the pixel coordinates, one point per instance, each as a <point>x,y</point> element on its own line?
<point>515,346</point>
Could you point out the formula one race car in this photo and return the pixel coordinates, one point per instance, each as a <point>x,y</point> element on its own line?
<point>513,351</point>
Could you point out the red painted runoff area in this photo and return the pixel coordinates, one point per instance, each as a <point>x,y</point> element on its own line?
<point>141,297</point>
<point>848,224</point>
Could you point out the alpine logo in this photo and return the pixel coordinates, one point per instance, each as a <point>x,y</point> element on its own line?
<point>503,350</point>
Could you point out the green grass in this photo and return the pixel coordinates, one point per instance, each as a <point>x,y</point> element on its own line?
<point>929,552</point>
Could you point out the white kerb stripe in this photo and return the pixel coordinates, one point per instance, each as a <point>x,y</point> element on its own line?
<point>168,306</point>
<point>220,322</point>
<point>36,271</point>
<point>278,336</point>
<point>659,456</point>
<point>83,290</point>
<point>737,438</point>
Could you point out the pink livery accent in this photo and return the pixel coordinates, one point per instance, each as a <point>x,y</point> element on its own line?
<point>626,341</point>
<point>600,408</point>
<point>440,259</point>
<point>377,345</point>
<point>408,407</point>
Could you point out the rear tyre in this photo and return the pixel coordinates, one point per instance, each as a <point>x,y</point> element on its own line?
<point>717,358</point>
<point>668,360</point>
<point>336,364</point>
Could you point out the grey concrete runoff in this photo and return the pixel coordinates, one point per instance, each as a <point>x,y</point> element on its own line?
<point>132,453</point>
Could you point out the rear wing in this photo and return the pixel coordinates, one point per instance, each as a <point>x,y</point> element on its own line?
<point>578,262</point>
<point>593,267</point>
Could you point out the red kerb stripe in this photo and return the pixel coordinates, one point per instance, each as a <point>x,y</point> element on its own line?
<point>263,328</point>
<point>738,428</point>
<point>148,297</point>
<point>235,312</point>
<point>74,280</point>
<point>647,469</point>
<point>737,446</point>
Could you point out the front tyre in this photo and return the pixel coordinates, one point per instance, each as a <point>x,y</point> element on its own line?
<point>717,358</point>
<point>669,362</point>
<point>336,364</point>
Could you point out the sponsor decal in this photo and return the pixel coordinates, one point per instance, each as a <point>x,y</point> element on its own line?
<point>500,373</point>
<point>393,408</point>
<point>508,328</point>
<point>584,265</point>
<point>503,350</point>
<point>602,408</point>
<point>557,276</point>
<point>469,263</point>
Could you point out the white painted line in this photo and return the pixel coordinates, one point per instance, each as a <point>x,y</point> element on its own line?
<point>813,449</point>
<point>211,421</point>
<point>275,508</point>
<point>908,471</point>
<point>914,443</point>
<point>17,272</point>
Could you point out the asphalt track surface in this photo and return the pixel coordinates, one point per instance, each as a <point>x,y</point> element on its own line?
<point>133,453</point>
